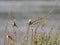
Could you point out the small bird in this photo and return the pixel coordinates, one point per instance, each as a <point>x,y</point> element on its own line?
<point>14,24</point>
<point>29,22</point>
<point>8,36</point>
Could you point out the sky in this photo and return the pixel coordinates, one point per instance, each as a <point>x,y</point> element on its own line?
<point>23,10</point>
<point>25,0</point>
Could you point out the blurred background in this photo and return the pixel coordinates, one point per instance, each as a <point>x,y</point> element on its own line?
<point>24,9</point>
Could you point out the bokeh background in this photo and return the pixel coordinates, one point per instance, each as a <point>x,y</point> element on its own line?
<point>23,10</point>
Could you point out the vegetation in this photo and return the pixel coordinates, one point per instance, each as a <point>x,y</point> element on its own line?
<point>41,38</point>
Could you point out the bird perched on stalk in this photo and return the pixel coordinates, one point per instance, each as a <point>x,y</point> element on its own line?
<point>8,36</point>
<point>29,22</point>
<point>14,23</point>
